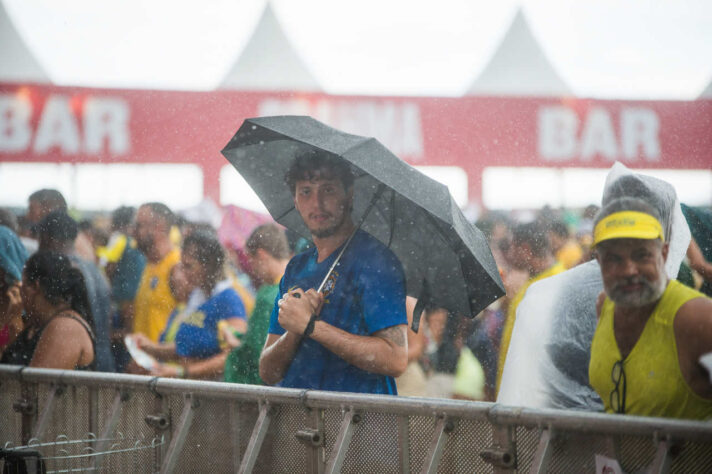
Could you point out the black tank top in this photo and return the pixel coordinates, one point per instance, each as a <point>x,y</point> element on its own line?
<point>22,349</point>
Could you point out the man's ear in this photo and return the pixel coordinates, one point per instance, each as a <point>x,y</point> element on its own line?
<point>666,249</point>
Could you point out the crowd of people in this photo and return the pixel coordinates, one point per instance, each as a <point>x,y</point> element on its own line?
<point>149,293</point>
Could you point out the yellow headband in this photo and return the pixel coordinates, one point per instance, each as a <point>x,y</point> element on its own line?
<point>628,225</point>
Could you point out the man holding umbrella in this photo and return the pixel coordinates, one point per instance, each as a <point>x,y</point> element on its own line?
<point>350,336</point>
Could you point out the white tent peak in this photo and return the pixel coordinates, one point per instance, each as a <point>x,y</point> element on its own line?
<point>707,93</point>
<point>519,67</point>
<point>269,61</point>
<point>17,63</point>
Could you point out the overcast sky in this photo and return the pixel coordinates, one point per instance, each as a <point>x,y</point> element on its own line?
<point>657,49</point>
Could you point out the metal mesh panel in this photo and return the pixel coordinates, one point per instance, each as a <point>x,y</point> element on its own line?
<point>635,453</point>
<point>243,417</point>
<point>374,445</point>
<point>527,441</point>
<point>207,445</point>
<point>284,454</point>
<point>693,457</point>
<point>69,415</point>
<point>461,453</point>
<point>332,423</point>
<point>420,429</point>
<point>11,426</point>
<point>221,430</point>
<point>576,453</point>
<point>133,413</point>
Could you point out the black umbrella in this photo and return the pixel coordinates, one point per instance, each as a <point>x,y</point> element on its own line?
<point>446,260</point>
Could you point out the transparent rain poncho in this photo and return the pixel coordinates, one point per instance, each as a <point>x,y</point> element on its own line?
<point>547,362</point>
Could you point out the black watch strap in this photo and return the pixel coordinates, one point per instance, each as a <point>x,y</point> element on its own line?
<point>310,326</point>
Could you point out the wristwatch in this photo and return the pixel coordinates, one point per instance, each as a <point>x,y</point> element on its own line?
<point>310,326</point>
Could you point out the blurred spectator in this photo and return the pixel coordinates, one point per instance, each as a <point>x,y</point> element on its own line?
<point>530,251</point>
<point>566,250</point>
<point>57,233</point>
<point>44,201</point>
<point>198,337</point>
<point>699,252</point>
<point>413,382</point>
<point>155,298</point>
<point>484,343</point>
<point>58,319</point>
<point>123,263</point>
<point>8,219</point>
<point>12,260</point>
<point>268,252</point>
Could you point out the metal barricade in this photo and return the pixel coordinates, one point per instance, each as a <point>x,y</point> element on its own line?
<point>117,423</point>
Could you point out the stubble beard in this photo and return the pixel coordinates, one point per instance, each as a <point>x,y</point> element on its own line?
<point>650,292</point>
<point>329,231</point>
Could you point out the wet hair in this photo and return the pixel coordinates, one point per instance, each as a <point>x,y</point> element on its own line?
<point>558,227</point>
<point>50,199</point>
<point>122,217</point>
<point>8,219</point>
<point>162,212</point>
<point>271,239</point>
<point>311,164</point>
<point>533,234</point>
<point>57,226</point>
<point>205,247</point>
<point>627,204</point>
<point>59,281</point>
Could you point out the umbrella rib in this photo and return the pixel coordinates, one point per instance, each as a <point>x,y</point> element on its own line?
<point>393,217</point>
<point>283,215</point>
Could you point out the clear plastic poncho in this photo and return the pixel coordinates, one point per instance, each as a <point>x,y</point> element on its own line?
<point>547,362</point>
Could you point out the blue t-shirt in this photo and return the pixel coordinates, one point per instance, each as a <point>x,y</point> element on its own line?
<point>365,294</point>
<point>197,335</point>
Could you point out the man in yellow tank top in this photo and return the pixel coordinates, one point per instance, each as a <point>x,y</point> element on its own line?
<point>652,332</point>
<point>154,299</point>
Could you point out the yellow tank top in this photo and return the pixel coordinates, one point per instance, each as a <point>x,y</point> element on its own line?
<point>154,298</point>
<point>654,384</point>
<point>557,268</point>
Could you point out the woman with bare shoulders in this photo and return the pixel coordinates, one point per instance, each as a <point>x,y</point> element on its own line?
<point>57,317</point>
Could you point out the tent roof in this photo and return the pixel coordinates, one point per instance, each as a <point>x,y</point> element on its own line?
<point>269,62</point>
<point>707,93</point>
<point>519,67</point>
<point>18,62</point>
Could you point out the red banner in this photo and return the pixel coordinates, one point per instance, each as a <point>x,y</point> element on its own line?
<point>62,124</point>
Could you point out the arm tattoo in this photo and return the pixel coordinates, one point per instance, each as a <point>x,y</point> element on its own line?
<point>395,334</point>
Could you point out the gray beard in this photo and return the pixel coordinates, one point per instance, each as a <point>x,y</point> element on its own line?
<point>650,293</point>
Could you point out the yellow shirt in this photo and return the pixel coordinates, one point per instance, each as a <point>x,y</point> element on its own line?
<point>570,254</point>
<point>654,384</point>
<point>154,298</point>
<point>512,315</point>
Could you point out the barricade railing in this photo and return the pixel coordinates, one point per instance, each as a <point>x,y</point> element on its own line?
<point>69,420</point>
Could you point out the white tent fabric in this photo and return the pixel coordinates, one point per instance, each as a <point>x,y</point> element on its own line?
<point>269,62</point>
<point>707,93</point>
<point>519,67</point>
<point>547,362</point>
<point>17,63</point>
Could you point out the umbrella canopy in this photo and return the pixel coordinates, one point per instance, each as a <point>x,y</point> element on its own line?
<point>446,260</point>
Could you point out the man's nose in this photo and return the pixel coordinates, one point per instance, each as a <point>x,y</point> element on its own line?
<point>629,268</point>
